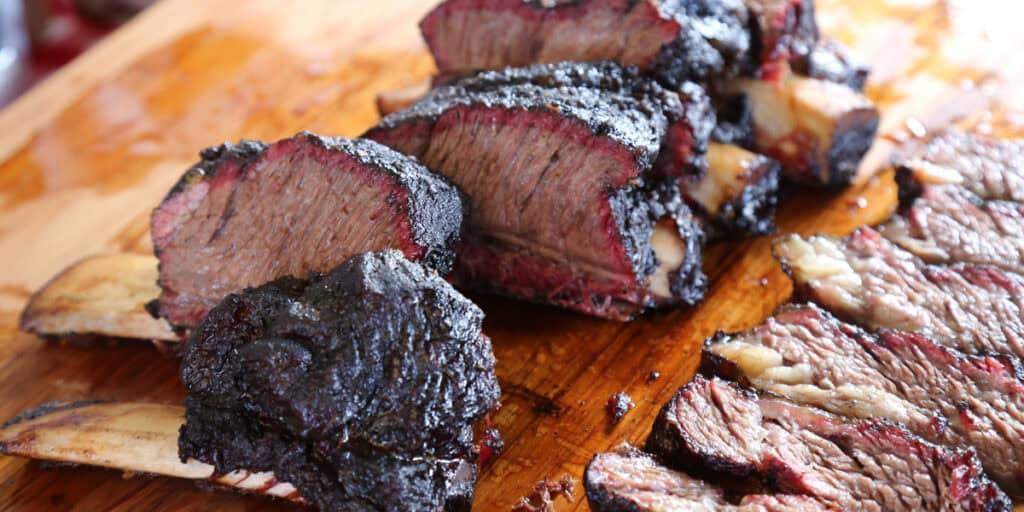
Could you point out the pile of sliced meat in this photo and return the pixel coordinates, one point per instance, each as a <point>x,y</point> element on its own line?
<point>901,389</point>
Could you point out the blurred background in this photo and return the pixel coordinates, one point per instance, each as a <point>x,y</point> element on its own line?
<point>39,36</point>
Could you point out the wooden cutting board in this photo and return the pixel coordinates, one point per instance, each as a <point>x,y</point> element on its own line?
<point>88,153</point>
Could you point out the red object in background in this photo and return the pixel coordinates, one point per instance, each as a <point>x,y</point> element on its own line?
<point>39,36</point>
<point>58,33</point>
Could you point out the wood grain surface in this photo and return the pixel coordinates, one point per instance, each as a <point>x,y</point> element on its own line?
<point>86,155</point>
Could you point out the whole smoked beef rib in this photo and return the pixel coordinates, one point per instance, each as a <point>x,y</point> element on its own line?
<point>808,356</point>
<point>359,387</point>
<point>251,212</point>
<point>864,464</point>
<point>572,196</point>
<point>675,40</point>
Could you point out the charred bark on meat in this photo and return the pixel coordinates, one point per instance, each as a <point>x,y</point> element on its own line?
<point>360,387</point>
<point>570,169</point>
<point>318,200</point>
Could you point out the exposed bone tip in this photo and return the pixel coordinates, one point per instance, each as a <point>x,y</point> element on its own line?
<point>102,295</point>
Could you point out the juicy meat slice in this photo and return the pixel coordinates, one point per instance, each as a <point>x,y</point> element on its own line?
<point>675,40</point>
<point>808,356</point>
<point>628,480</point>
<point>818,130</point>
<point>739,193</point>
<point>359,387</point>
<point>864,464</point>
<point>784,30</point>
<point>559,162</point>
<point>947,224</point>
<point>831,61</point>
<point>252,212</point>
<point>868,280</point>
<point>989,168</point>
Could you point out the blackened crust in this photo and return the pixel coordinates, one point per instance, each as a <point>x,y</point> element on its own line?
<point>610,115</point>
<point>831,61</point>
<point>689,283</point>
<point>713,41</point>
<point>213,158</point>
<point>854,136</point>
<point>599,108</point>
<point>359,387</point>
<point>425,215</point>
<point>437,207</point>
<point>908,188</point>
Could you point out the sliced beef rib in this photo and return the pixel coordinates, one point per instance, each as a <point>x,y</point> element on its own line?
<point>948,224</point>
<point>808,356</point>
<point>572,203</point>
<point>868,280</point>
<point>865,464</point>
<point>252,212</point>
<point>987,167</point>
<point>676,40</point>
<point>628,480</point>
<point>359,387</point>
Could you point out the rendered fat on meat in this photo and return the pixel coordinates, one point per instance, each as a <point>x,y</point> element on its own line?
<point>628,480</point>
<point>574,200</point>
<point>948,224</point>
<point>675,40</point>
<point>738,194</point>
<point>252,212</point>
<point>818,130</point>
<point>987,167</point>
<point>864,464</point>
<point>808,356</point>
<point>868,280</point>
<point>360,387</point>
<point>959,201</point>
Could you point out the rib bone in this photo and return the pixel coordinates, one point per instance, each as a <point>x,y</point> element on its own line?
<point>132,437</point>
<point>102,295</point>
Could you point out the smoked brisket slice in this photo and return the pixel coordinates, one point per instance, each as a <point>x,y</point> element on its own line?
<point>675,40</point>
<point>808,356</point>
<point>360,387</point>
<point>948,224</point>
<point>865,464</point>
<point>561,166</point>
<point>868,280</point>
<point>628,480</point>
<point>252,212</point>
<point>989,168</point>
